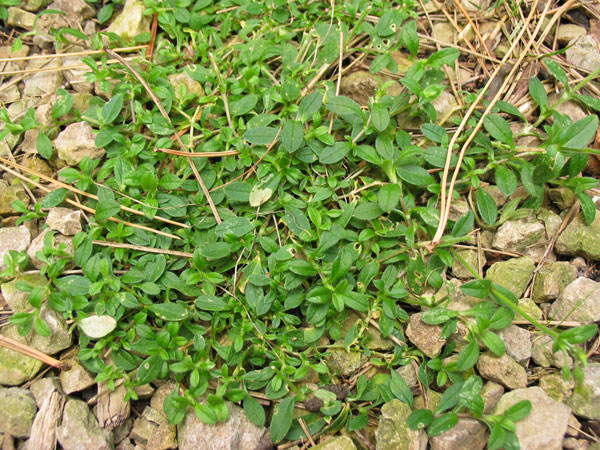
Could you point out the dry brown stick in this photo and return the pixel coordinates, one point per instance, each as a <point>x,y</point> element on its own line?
<point>25,72</point>
<point>80,192</point>
<point>16,346</point>
<point>160,107</point>
<point>153,30</point>
<point>306,431</point>
<point>198,155</point>
<point>143,248</point>
<point>87,208</point>
<point>64,55</point>
<point>475,28</point>
<point>445,205</point>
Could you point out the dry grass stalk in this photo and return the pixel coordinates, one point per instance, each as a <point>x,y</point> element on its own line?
<point>142,248</point>
<point>87,208</point>
<point>64,55</point>
<point>80,192</point>
<point>16,346</point>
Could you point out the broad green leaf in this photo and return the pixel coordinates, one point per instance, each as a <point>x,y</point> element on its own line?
<point>332,155</point>
<point>254,411</point>
<point>442,424</point>
<point>388,197</point>
<point>215,250</point>
<point>292,136</point>
<point>282,419</point>
<point>380,116</point>
<point>518,411</point>
<point>380,63</point>
<point>588,207</point>
<point>420,419</point>
<point>261,135</point>
<point>54,198</point>
<point>581,132</point>
<point>486,207</point>
<point>409,37</point>
<point>434,132</point>
<point>106,209</point>
<point>367,211</point>
<point>499,129</point>
<point>244,105</point>
<point>400,389</point>
<point>580,334</point>
<point>169,311</point>
<point>477,288</point>
<point>414,174</point>
<point>112,108</point>
<point>464,225</point>
<point>301,267</point>
<point>558,72</point>
<point>309,105</point>
<point>468,356</point>
<point>493,342</point>
<point>444,56</point>
<point>211,303</point>
<point>149,370</point>
<point>538,92</point>
<point>345,107</point>
<point>506,180</point>
<point>43,145</point>
<point>235,226</point>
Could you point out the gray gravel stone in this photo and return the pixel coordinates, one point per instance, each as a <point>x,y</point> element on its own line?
<point>503,370</point>
<point>545,426</point>
<point>580,301</point>
<point>17,411</point>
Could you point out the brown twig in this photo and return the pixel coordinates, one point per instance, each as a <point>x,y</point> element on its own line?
<point>11,344</point>
<point>78,191</point>
<point>143,248</point>
<point>198,155</point>
<point>153,30</point>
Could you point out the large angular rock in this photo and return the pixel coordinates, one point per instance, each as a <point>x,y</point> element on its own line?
<point>426,337</point>
<point>519,235</point>
<point>551,280</point>
<point>13,238</point>
<point>153,430</point>
<point>43,387</point>
<point>503,370</point>
<point>491,394</point>
<point>393,432</point>
<point>513,274</point>
<point>517,342</point>
<point>579,239</point>
<point>556,387</point>
<point>19,300</point>
<point>583,53</point>
<point>17,411</point>
<point>236,433</point>
<point>16,17</point>
<point>43,431</point>
<point>76,142</point>
<point>77,378</point>
<point>64,220</point>
<point>567,32</point>
<point>472,259</point>
<point>580,301</point>
<point>585,400</point>
<point>467,434</point>
<point>546,424</point>
<point>80,430</point>
<point>46,82</point>
<point>131,22</point>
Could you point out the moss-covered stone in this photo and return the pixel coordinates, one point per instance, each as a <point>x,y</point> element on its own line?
<point>580,239</point>
<point>17,411</point>
<point>393,432</point>
<point>551,281</point>
<point>585,400</point>
<point>513,274</point>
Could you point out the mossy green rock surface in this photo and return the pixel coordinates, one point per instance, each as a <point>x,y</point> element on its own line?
<point>580,239</point>
<point>337,443</point>
<point>513,274</point>
<point>393,432</point>
<point>551,281</point>
<point>17,411</point>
